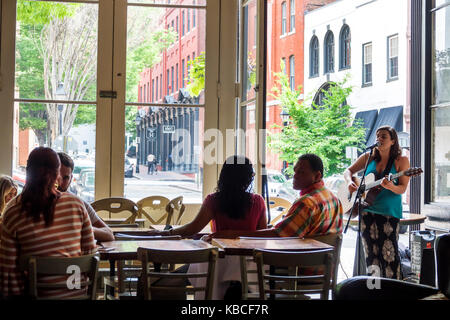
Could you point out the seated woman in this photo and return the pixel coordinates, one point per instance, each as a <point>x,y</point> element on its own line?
<point>42,222</point>
<point>8,190</point>
<point>233,207</point>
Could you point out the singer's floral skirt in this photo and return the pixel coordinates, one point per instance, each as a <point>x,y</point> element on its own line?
<point>380,239</point>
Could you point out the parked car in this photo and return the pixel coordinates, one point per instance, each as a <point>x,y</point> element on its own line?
<point>128,169</point>
<point>79,165</point>
<point>275,181</point>
<point>85,185</point>
<point>287,191</point>
<point>20,179</point>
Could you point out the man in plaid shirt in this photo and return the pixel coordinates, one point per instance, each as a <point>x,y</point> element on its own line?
<point>317,212</point>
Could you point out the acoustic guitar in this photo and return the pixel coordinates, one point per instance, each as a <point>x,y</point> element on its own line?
<point>370,189</point>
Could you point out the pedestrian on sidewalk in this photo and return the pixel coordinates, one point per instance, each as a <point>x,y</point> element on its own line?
<point>150,163</point>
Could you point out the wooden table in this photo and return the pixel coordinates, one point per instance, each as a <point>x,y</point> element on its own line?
<point>145,231</point>
<point>407,220</point>
<point>113,251</point>
<point>244,247</point>
<point>111,221</point>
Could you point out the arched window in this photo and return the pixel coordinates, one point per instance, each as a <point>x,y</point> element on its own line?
<point>320,94</point>
<point>329,52</point>
<point>314,57</point>
<point>344,48</point>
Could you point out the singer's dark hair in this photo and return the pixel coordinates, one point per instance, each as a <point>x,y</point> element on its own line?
<point>234,199</point>
<point>395,151</point>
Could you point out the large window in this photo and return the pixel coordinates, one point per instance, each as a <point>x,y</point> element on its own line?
<point>392,62</point>
<point>292,72</point>
<point>329,53</point>
<point>440,109</point>
<point>314,57</point>
<point>283,18</point>
<point>367,64</point>
<point>292,16</point>
<point>344,48</point>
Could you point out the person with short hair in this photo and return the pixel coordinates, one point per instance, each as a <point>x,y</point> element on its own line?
<point>8,190</point>
<point>317,212</point>
<point>43,222</point>
<point>101,231</point>
<point>150,163</point>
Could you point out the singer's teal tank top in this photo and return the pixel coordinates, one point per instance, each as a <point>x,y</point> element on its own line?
<point>387,202</point>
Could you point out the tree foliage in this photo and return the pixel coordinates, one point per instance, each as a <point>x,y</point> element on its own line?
<point>325,130</point>
<point>196,76</point>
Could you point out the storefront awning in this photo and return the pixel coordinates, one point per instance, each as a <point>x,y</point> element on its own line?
<point>392,116</point>
<point>368,119</point>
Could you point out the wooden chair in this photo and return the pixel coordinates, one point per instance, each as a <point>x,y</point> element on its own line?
<point>175,206</point>
<point>130,272</point>
<point>154,209</point>
<point>175,286</point>
<point>334,240</point>
<point>276,204</point>
<point>117,205</point>
<point>247,270</point>
<point>60,266</point>
<point>287,286</point>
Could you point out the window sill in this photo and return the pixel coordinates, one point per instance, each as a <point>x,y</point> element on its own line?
<point>314,76</point>
<point>391,79</point>
<point>328,72</point>
<point>364,85</point>
<point>345,68</point>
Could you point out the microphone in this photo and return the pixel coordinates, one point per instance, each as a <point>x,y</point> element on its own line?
<point>376,144</point>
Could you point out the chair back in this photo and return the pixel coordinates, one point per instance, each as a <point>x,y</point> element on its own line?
<point>117,205</point>
<point>177,286</point>
<point>442,248</point>
<point>175,209</point>
<point>290,285</point>
<point>335,240</point>
<point>38,267</point>
<point>154,209</point>
<point>276,203</point>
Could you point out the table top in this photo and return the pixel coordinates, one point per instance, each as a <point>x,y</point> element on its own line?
<point>127,250</point>
<point>244,247</point>
<point>144,231</point>
<point>120,220</point>
<point>408,219</point>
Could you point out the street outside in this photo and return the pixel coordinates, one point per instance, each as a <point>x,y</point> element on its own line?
<point>164,183</point>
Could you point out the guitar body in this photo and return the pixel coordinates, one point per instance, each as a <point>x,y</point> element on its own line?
<point>347,199</point>
<point>371,189</point>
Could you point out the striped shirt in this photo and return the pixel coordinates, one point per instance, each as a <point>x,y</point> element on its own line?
<point>317,212</point>
<point>70,235</point>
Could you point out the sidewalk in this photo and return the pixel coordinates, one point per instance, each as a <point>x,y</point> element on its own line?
<point>162,175</point>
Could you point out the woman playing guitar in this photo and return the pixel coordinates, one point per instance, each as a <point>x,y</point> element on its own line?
<point>380,220</point>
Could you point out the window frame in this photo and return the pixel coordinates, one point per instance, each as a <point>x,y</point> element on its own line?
<point>292,72</point>
<point>327,51</point>
<point>292,16</point>
<point>344,54</point>
<point>364,83</point>
<point>283,18</point>
<point>314,53</point>
<point>389,77</point>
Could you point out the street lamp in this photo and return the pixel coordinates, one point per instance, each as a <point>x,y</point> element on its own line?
<point>60,95</point>
<point>137,121</point>
<point>284,116</point>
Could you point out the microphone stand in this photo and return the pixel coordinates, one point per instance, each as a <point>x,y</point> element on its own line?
<point>358,199</point>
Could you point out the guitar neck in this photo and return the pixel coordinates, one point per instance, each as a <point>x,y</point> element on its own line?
<point>378,182</point>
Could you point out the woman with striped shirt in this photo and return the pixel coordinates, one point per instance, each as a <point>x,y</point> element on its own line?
<point>42,222</point>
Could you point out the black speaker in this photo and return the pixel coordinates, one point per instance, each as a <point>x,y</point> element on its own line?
<point>423,267</point>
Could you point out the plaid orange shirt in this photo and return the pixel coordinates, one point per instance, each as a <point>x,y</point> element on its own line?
<point>317,212</point>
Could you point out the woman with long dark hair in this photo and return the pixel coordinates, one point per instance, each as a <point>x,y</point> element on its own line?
<point>232,206</point>
<point>42,222</point>
<point>380,220</point>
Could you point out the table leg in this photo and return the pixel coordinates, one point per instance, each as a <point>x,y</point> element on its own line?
<point>112,274</point>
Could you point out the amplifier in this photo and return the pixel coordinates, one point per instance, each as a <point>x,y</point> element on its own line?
<point>422,257</point>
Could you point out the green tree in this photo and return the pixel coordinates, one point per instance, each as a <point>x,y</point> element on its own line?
<point>196,76</point>
<point>325,130</point>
